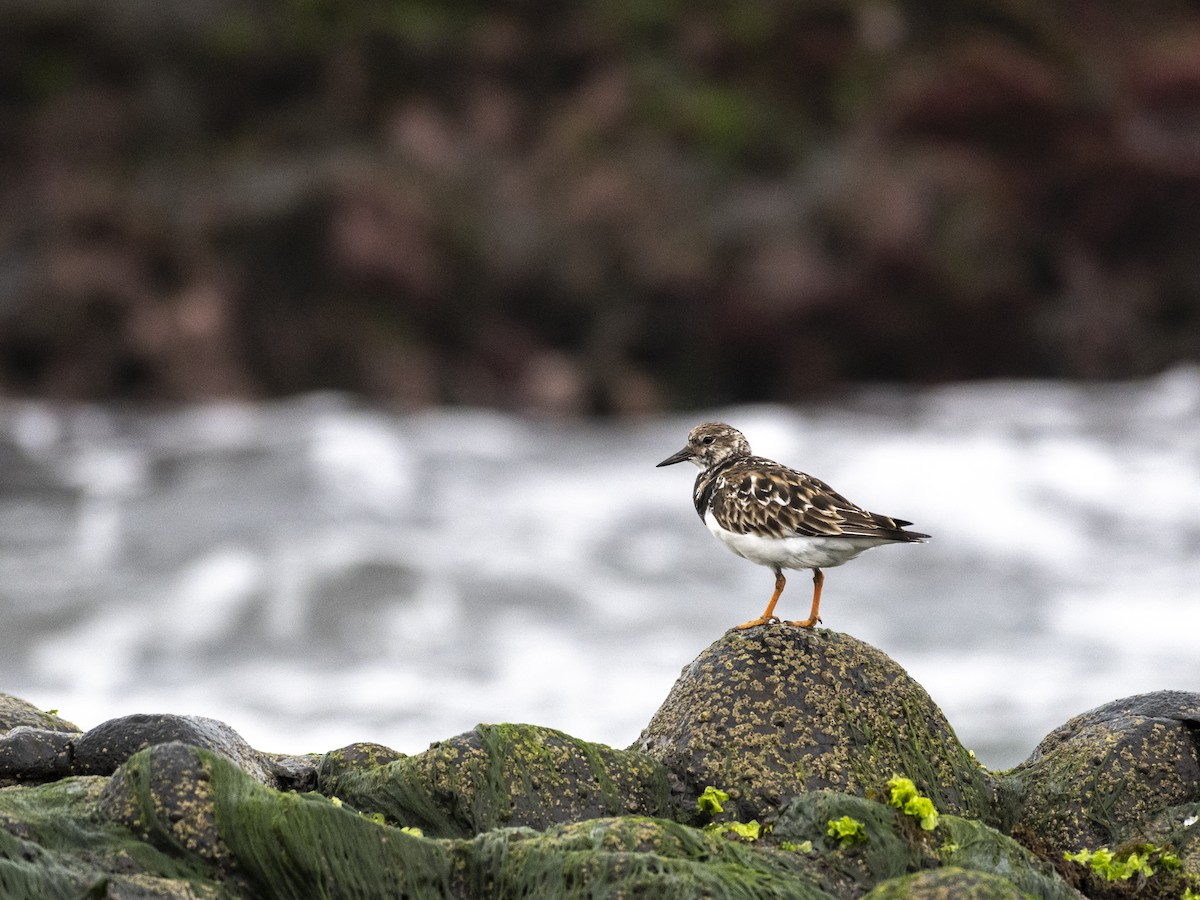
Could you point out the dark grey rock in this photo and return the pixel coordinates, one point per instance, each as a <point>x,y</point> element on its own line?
<point>35,754</point>
<point>102,749</point>
<point>293,773</point>
<point>1180,706</point>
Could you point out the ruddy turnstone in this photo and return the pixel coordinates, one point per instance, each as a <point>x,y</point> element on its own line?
<point>778,517</point>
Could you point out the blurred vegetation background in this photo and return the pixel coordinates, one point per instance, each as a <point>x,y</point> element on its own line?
<point>611,206</point>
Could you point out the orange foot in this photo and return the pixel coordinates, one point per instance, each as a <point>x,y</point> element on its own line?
<point>761,620</point>
<point>807,623</point>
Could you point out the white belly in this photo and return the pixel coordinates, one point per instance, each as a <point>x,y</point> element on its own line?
<point>797,552</point>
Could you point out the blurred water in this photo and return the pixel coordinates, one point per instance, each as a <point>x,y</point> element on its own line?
<point>315,572</point>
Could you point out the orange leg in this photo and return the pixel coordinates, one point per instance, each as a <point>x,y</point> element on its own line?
<point>813,618</point>
<point>768,615</point>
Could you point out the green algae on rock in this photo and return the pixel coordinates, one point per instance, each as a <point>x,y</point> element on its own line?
<point>1178,827</point>
<point>54,842</point>
<point>888,850</point>
<point>180,821</point>
<point>969,844</point>
<point>502,775</point>
<point>897,846</point>
<point>949,883</point>
<point>352,757</point>
<point>768,713</point>
<point>632,856</point>
<point>1149,871</point>
<point>269,843</point>
<point>266,843</point>
<point>810,727</point>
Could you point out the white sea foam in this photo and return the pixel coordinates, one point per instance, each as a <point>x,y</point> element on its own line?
<point>316,573</point>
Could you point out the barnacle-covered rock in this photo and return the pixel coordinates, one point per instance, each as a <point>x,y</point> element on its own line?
<point>771,712</point>
<point>1102,778</point>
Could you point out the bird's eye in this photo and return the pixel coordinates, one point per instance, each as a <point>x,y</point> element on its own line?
<point>707,439</point>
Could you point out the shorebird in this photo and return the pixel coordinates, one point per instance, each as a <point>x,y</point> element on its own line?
<point>779,517</point>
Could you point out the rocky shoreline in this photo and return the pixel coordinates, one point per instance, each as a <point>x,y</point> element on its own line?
<point>783,763</point>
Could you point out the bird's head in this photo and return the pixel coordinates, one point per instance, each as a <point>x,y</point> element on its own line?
<point>710,445</point>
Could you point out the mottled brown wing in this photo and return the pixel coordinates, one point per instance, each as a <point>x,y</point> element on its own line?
<point>760,496</point>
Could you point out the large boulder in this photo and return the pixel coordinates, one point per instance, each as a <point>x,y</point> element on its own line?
<point>1123,774</point>
<point>502,775</point>
<point>100,750</point>
<point>35,745</point>
<point>771,712</point>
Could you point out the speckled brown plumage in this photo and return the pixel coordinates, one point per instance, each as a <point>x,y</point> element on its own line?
<point>776,516</point>
<point>756,495</point>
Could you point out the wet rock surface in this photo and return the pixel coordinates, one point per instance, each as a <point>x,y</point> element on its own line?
<point>37,746</point>
<point>799,733</point>
<point>35,754</point>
